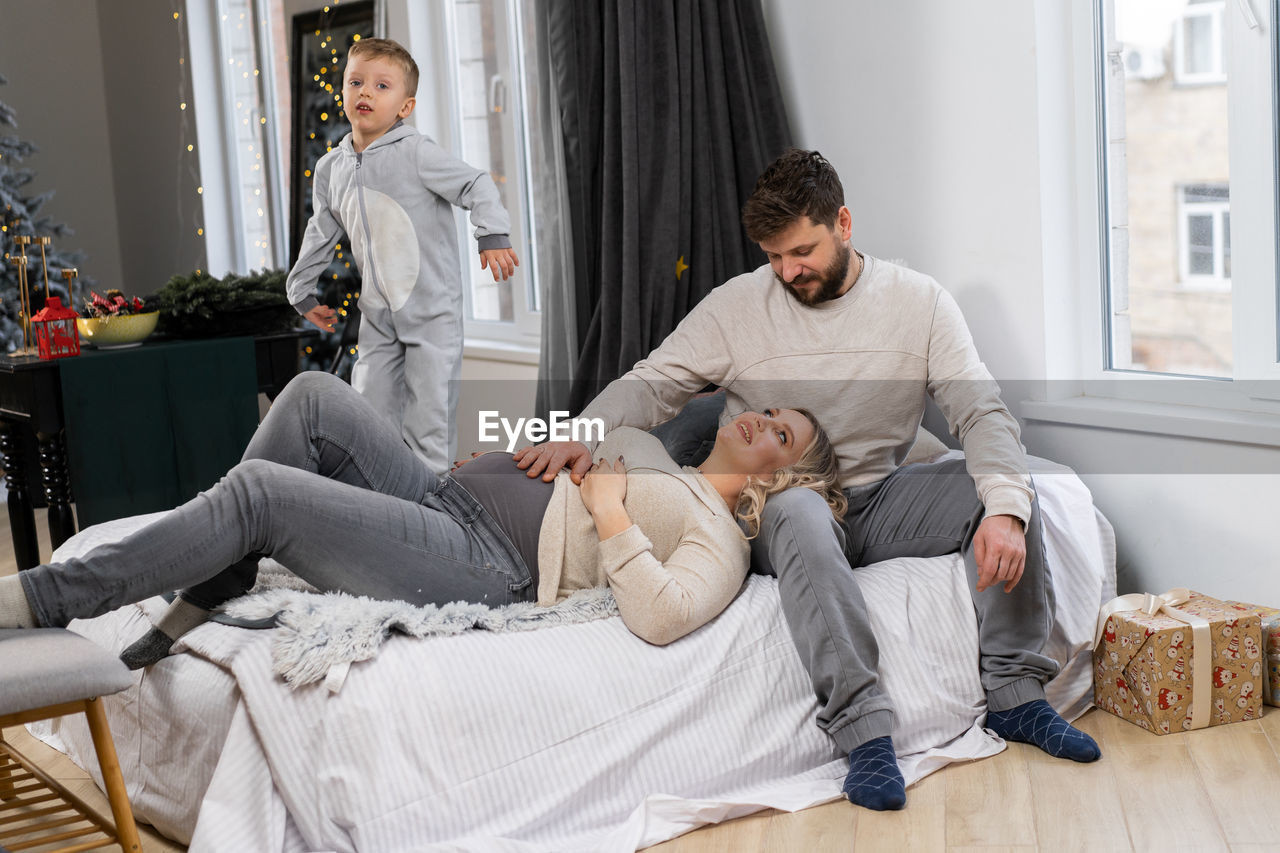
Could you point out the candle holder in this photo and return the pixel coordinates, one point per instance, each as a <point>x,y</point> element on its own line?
<point>44,262</point>
<point>24,297</point>
<point>72,276</point>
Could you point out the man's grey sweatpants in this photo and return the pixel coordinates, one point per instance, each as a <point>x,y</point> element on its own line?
<point>921,510</point>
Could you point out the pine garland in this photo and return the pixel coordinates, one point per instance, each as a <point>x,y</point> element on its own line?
<point>199,305</point>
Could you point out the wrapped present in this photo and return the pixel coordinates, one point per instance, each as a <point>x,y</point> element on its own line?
<point>1178,661</point>
<point>1270,617</point>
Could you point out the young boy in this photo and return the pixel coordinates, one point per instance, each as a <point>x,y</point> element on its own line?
<point>391,189</point>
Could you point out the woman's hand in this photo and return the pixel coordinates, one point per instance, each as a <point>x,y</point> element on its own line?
<point>458,463</point>
<point>603,491</point>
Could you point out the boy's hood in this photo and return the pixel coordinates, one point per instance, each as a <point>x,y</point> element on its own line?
<point>398,131</point>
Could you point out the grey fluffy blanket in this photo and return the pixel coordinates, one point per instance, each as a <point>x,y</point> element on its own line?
<point>319,635</point>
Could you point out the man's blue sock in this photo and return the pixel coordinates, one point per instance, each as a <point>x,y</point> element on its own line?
<point>1038,724</point>
<point>874,780</point>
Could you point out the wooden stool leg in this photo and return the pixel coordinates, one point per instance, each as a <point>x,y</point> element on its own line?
<point>6,786</point>
<point>126,829</point>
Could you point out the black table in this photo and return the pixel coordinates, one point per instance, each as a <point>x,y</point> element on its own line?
<point>31,403</point>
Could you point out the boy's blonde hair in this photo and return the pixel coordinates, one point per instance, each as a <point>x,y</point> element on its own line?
<point>390,50</point>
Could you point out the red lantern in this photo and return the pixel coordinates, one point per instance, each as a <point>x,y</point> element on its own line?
<point>55,328</point>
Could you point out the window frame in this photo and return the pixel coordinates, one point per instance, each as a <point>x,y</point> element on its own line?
<point>1255,382</point>
<point>227,248</point>
<point>1216,13</point>
<point>1218,211</point>
<point>430,29</point>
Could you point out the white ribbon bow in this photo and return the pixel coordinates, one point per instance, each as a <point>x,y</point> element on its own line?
<point>1201,643</point>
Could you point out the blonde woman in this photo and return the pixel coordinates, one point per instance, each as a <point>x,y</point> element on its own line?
<point>329,489</point>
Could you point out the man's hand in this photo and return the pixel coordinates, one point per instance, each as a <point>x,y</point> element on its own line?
<point>322,317</point>
<point>1000,548</point>
<point>549,457</point>
<point>497,261</point>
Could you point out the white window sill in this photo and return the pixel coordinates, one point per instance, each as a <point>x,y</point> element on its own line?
<point>1158,418</point>
<point>1204,284</point>
<point>492,350</point>
<point>1188,81</point>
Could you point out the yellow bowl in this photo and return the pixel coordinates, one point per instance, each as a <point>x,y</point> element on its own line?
<point>117,331</point>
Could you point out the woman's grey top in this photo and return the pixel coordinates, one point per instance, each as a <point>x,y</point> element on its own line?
<point>513,498</point>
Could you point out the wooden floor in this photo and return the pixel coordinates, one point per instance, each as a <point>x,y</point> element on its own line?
<point>1215,789</point>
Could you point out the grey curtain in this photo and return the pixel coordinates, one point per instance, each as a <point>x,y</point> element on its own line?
<point>669,110</point>
<point>552,243</point>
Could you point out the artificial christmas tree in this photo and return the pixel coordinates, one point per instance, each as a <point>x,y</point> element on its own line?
<point>20,216</point>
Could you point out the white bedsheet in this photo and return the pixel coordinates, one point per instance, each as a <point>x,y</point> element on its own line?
<point>579,737</point>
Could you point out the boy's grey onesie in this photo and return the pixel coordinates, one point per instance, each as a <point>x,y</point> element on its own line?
<point>395,202</point>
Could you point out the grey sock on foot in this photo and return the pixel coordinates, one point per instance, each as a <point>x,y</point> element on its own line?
<point>154,645</point>
<point>15,610</point>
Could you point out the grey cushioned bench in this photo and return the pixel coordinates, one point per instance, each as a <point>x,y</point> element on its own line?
<point>50,672</point>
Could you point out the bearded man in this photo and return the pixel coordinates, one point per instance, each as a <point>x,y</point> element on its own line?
<point>862,343</point>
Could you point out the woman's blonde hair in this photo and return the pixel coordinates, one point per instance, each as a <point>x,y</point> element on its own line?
<point>818,469</point>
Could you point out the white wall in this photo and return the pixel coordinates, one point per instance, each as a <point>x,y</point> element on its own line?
<point>105,115</point>
<point>927,110</point>
<point>60,100</point>
<point>931,112</point>
<point>157,208</point>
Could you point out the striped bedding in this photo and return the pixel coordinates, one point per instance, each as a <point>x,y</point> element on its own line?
<point>579,737</point>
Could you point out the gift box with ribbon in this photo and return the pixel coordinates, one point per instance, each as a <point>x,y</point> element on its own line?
<point>1270,617</point>
<point>1178,661</point>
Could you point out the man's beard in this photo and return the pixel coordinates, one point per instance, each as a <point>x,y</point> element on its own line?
<point>832,280</point>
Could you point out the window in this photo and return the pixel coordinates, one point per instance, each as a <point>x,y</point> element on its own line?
<point>240,155</point>
<point>488,85</point>
<point>1204,236</point>
<point>1198,42</point>
<point>1186,293</point>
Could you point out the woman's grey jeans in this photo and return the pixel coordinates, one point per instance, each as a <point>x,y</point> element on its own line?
<point>328,488</point>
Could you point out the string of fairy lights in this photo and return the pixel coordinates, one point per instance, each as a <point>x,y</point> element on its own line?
<point>253,126</point>
<point>244,79</point>
<point>328,78</point>
<point>184,136</point>
<point>250,124</point>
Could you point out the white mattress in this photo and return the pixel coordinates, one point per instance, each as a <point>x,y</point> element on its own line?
<point>579,737</point>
